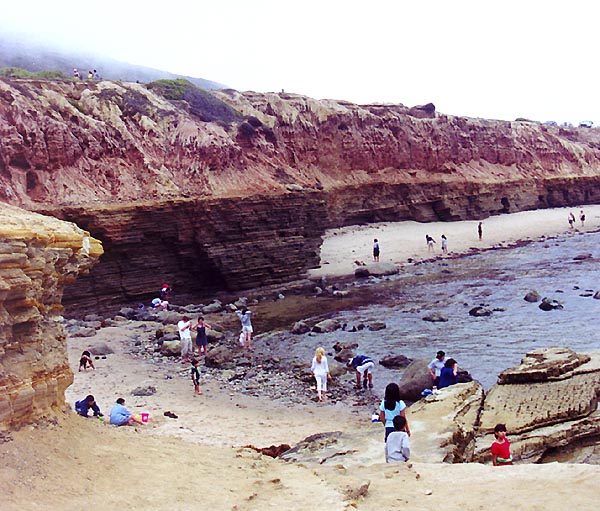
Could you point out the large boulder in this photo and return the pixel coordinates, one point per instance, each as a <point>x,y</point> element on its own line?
<point>532,296</point>
<point>300,327</point>
<point>415,380</point>
<point>381,269</point>
<point>396,361</point>
<point>221,357</point>
<point>550,304</point>
<point>171,348</point>
<point>327,325</point>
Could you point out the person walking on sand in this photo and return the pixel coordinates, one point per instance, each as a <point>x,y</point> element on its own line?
<point>363,367</point>
<point>571,220</point>
<point>582,217</point>
<point>501,447</point>
<point>244,316</point>
<point>397,446</point>
<point>121,416</point>
<point>480,230</point>
<point>391,406</point>
<point>185,334</point>
<point>201,339</point>
<point>444,245</point>
<point>195,377</point>
<point>376,250</point>
<point>430,241</point>
<point>320,370</point>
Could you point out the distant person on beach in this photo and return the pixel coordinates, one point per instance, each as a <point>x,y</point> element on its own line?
<point>448,374</point>
<point>501,447</point>
<point>435,367</point>
<point>158,303</point>
<point>96,75</point>
<point>90,75</point>
<point>185,334</point>
<point>571,220</point>
<point>195,377</point>
<point>582,217</point>
<point>376,250</point>
<point>121,416</point>
<point>444,245</point>
<point>84,406</point>
<point>320,370</point>
<point>480,230</point>
<point>244,316</point>
<point>76,74</point>
<point>391,406</point>
<point>201,339</point>
<point>397,445</point>
<point>165,291</point>
<point>363,367</point>
<point>85,360</point>
<point>430,241</point>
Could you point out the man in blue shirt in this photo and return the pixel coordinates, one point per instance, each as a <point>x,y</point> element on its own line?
<point>121,416</point>
<point>363,366</point>
<point>83,407</point>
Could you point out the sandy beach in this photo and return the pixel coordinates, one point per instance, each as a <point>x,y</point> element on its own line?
<point>199,459</point>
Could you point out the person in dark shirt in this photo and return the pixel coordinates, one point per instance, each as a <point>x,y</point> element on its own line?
<point>448,373</point>
<point>363,366</point>
<point>83,407</point>
<point>195,377</point>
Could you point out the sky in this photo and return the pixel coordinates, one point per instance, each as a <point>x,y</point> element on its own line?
<point>486,58</point>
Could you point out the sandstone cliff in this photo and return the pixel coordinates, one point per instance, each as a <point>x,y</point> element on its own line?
<point>38,256</point>
<point>94,152</point>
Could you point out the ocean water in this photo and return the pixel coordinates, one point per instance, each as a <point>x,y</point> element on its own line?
<point>498,279</point>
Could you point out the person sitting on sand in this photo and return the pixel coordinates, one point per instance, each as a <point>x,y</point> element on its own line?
<point>185,335</point>
<point>501,447</point>
<point>195,377</point>
<point>448,374</point>
<point>363,366</point>
<point>244,316</point>
<point>83,407</point>
<point>201,339</point>
<point>85,360</point>
<point>391,406</point>
<point>430,242</point>
<point>121,416</point>
<point>397,445</point>
<point>435,366</point>
<point>320,370</point>
<point>376,250</point>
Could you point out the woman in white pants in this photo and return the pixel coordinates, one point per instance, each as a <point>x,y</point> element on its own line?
<point>321,371</point>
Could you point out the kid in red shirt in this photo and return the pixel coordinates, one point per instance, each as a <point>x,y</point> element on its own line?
<point>501,447</point>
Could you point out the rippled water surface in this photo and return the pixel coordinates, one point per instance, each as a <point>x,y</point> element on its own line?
<point>498,279</point>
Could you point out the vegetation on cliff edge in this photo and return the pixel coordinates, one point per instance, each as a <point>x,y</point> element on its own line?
<point>17,72</point>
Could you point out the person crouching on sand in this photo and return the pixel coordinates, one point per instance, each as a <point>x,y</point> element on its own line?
<point>85,360</point>
<point>320,370</point>
<point>501,447</point>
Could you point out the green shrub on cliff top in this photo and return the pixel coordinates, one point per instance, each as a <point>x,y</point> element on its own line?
<point>201,103</point>
<point>17,72</point>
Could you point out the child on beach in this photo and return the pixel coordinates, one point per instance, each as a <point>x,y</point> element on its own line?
<point>195,377</point>
<point>397,446</point>
<point>320,370</point>
<point>85,360</point>
<point>376,250</point>
<point>201,339</point>
<point>444,245</point>
<point>501,447</point>
<point>430,242</point>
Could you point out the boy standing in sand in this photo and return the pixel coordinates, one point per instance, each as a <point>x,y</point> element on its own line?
<point>501,447</point>
<point>195,377</point>
<point>375,250</point>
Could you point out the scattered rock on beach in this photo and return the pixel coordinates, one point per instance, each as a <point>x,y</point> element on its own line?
<point>375,326</point>
<point>339,346</point>
<point>582,257</point>
<point>549,304</point>
<point>480,311</point>
<point>362,272</point>
<point>532,296</point>
<point>300,327</point>
<point>144,391</point>
<point>597,295</point>
<point>101,348</point>
<point>435,317</point>
<point>171,348</point>
<point>327,325</point>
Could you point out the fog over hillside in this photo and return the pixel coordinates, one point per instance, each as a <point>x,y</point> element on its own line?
<point>20,51</point>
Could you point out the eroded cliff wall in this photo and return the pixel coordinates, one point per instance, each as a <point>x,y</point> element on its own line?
<point>243,200</point>
<point>39,255</point>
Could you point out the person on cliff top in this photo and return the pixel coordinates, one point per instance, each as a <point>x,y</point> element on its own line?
<point>397,445</point>
<point>84,406</point>
<point>435,366</point>
<point>244,316</point>
<point>121,416</point>
<point>571,220</point>
<point>448,374</point>
<point>195,373</point>
<point>430,241</point>
<point>201,339</point>
<point>480,230</point>
<point>320,370</point>
<point>582,217</point>
<point>444,245</point>
<point>391,406</point>
<point>363,367</point>
<point>376,250</point>
<point>185,335</point>
<point>501,447</point>
<point>85,360</point>
<point>76,74</point>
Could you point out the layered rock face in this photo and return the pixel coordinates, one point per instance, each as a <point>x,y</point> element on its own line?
<point>39,255</point>
<point>92,152</point>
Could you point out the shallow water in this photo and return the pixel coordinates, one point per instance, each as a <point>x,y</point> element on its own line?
<point>498,279</point>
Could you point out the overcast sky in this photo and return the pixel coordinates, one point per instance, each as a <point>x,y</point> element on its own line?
<point>484,58</point>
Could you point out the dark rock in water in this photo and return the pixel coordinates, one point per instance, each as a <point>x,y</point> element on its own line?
<point>361,272</point>
<point>582,257</point>
<point>532,297</point>
<point>339,346</point>
<point>376,326</point>
<point>144,391</point>
<point>325,326</point>
<point>300,327</point>
<point>415,380</point>
<point>435,317</point>
<point>549,304</point>
<point>344,355</point>
<point>586,295</point>
<point>597,295</point>
<point>480,312</point>
<point>395,361</point>
<point>498,309</point>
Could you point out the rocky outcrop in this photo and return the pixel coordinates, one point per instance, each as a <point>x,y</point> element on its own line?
<point>260,187</point>
<point>39,255</point>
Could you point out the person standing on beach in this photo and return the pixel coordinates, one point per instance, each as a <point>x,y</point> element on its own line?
<point>201,339</point>
<point>247,330</point>
<point>320,370</point>
<point>571,220</point>
<point>582,217</point>
<point>444,245</point>
<point>391,406</point>
<point>501,447</point>
<point>195,377</point>
<point>185,334</point>
<point>430,241</point>
<point>480,230</point>
<point>376,250</point>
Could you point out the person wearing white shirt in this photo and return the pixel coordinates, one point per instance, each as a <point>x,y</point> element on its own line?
<point>320,370</point>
